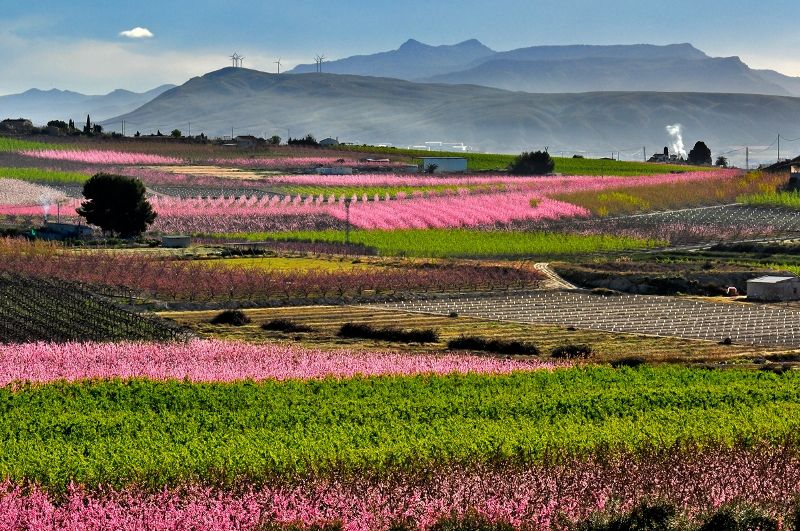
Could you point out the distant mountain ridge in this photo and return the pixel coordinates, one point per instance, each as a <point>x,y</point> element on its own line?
<point>411,60</point>
<point>41,106</point>
<point>568,68</point>
<point>386,110</point>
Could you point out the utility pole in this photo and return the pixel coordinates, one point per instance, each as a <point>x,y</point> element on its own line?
<point>123,127</point>
<point>747,158</point>
<point>231,133</point>
<point>644,153</point>
<point>190,129</point>
<point>347,221</point>
<point>779,147</point>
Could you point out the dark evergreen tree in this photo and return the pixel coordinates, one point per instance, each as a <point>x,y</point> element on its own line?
<point>533,163</point>
<point>700,154</point>
<point>116,204</point>
<point>88,127</point>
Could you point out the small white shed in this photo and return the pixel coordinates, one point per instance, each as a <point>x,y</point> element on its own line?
<point>444,164</point>
<point>773,288</point>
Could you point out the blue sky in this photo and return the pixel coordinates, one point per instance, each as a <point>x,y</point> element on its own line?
<point>76,44</point>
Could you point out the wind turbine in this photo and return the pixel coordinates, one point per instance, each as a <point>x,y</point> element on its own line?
<point>319,59</point>
<point>278,62</point>
<point>235,59</point>
<point>241,61</point>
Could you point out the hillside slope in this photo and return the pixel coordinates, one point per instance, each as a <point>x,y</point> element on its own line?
<point>369,109</point>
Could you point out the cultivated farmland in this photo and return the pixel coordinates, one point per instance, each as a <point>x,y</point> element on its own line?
<point>346,344</point>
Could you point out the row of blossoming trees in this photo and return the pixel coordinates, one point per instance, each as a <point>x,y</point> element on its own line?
<point>185,280</point>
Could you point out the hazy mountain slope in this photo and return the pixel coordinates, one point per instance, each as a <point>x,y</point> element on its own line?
<point>616,74</point>
<point>368,109</point>
<point>642,52</point>
<point>567,68</point>
<point>790,84</point>
<point>42,106</point>
<point>412,60</point>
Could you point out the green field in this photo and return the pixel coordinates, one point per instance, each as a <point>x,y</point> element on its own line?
<point>13,144</point>
<point>154,434</point>
<point>772,199</point>
<point>294,264</point>
<point>570,166</point>
<point>38,175</point>
<point>453,243</point>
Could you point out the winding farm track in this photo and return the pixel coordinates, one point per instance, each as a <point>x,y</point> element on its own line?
<point>744,323</point>
<point>553,280</point>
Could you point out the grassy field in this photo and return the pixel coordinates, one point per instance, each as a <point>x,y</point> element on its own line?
<point>453,243</point>
<point>773,199</point>
<point>43,176</point>
<point>326,321</point>
<point>122,433</point>
<point>569,166</point>
<point>13,144</point>
<point>281,263</point>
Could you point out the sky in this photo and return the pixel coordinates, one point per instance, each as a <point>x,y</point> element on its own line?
<point>94,47</point>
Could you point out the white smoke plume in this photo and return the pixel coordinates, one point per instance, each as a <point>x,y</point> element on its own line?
<point>675,131</point>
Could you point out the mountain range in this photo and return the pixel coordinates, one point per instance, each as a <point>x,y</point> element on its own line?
<point>374,109</point>
<point>41,106</point>
<point>573,68</point>
<point>594,98</point>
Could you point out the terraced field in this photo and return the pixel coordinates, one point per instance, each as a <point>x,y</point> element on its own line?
<point>326,321</point>
<point>749,324</point>
<point>48,310</point>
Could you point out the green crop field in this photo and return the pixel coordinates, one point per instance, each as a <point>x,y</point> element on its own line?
<point>451,243</point>
<point>154,434</point>
<point>13,144</point>
<point>772,199</point>
<point>296,264</point>
<point>43,176</point>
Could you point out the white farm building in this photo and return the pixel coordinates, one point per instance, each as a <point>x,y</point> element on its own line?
<point>773,288</point>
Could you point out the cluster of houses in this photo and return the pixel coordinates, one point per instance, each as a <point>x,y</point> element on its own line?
<point>666,157</point>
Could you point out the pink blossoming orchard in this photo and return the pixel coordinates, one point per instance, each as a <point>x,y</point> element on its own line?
<point>275,375</point>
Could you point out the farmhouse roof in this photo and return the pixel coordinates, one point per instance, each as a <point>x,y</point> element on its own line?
<point>773,280</point>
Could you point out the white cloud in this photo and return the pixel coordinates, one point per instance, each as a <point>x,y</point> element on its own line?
<point>137,33</point>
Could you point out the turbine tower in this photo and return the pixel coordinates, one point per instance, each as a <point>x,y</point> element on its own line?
<point>319,60</point>
<point>235,59</point>
<point>278,62</point>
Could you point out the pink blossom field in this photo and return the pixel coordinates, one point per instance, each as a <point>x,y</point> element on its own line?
<point>526,199</point>
<point>227,361</point>
<point>526,497</point>
<point>96,156</point>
